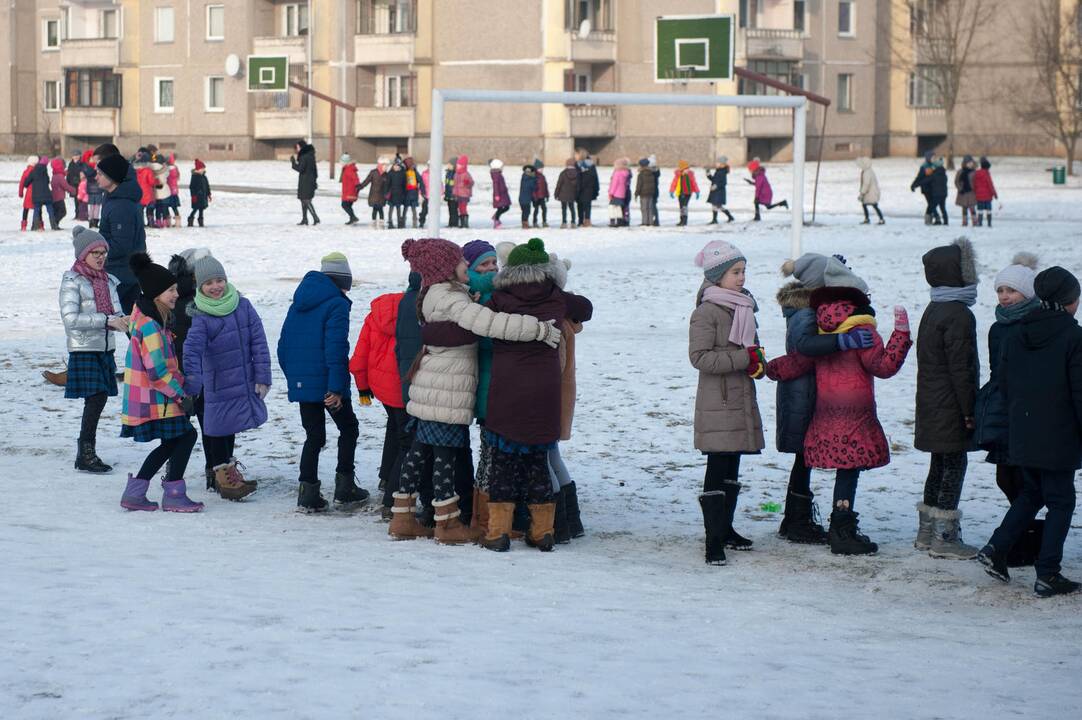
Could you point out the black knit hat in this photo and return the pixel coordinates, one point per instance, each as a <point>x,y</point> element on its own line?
<point>153,279</point>
<point>115,167</point>
<point>105,150</point>
<point>1056,287</point>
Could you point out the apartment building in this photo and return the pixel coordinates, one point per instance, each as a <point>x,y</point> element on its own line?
<point>139,71</point>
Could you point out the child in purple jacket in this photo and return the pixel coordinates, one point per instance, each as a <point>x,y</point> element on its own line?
<point>501,197</point>
<point>764,194</point>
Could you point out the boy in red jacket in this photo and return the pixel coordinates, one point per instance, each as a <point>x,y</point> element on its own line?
<point>985,191</point>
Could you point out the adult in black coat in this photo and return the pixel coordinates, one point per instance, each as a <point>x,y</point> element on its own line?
<point>948,375</point>
<point>304,163</point>
<point>932,181</point>
<point>1041,380</point>
<point>588,190</point>
<point>122,224</point>
<point>37,183</point>
<point>395,184</point>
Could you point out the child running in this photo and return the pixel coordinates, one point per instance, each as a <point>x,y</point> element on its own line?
<point>501,197</point>
<point>719,181</point>
<point>764,194</point>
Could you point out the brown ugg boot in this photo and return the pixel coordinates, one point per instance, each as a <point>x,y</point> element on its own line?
<point>229,486</point>
<point>60,379</point>
<point>404,525</point>
<point>449,527</point>
<point>236,474</point>
<point>498,537</point>
<point>480,511</point>
<point>542,536</point>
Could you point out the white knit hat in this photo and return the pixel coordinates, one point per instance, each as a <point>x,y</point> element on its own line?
<point>1019,274</point>
<point>496,164</point>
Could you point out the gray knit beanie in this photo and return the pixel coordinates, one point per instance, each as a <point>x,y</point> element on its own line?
<point>84,239</point>
<point>814,271</point>
<point>837,274</point>
<point>207,268</point>
<point>336,267</point>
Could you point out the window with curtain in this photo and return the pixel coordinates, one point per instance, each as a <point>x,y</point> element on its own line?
<point>844,98</point>
<point>924,88</point>
<point>781,70</point>
<point>215,22</point>
<point>91,87</point>
<point>386,17</point>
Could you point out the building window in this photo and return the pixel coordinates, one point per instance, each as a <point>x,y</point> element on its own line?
<point>583,82</point>
<point>50,34</point>
<point>847,20</point>
<point>215,22</point>
<point>91,88</point>
<point>215,101</point>
<point>921,13</point>
<point>397,90</point>
<point>598,12</point>
<point>163,25</point>
<point>845,93</point>
<point>748,14</point>
<point>924,88</point>
<point>163,95</point>
<point>110,24</point>
<point>51,96</point>
<point>780,70</point>
<point>386,17</point>
<point>798,15</point>
<point>295,19</point>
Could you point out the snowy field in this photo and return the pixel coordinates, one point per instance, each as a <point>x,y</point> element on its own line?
<point>251,610</point>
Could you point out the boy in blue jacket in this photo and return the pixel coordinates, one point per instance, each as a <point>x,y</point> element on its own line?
<point>313,351</point>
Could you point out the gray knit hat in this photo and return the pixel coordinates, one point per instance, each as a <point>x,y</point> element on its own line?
<point>336,267</point>
<point>207,268</point>
<point>84,239</point>
<point>814,271</point>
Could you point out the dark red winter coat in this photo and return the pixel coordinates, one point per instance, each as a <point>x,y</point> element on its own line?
<point>501,197</point>
<point>145,177</point>
<point>845,432</point>
<point>983,187</point>
<point>349,182</point>
<point>374,365</point>
<point>541,189</point>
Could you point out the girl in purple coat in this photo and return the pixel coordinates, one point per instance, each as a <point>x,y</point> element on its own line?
<point>501,197</point>
<point>764,194</point>
<point>227,359</point>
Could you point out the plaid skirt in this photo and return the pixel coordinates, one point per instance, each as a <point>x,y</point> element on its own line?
<point>441,434</point>
<point>166,429</point>
<point>90,373</point>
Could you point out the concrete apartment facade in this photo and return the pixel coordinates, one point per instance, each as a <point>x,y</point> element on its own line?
<point>140,71</point>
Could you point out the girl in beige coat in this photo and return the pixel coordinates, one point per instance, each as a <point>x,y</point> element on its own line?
<point>869,189</point>
<point>724,348</point>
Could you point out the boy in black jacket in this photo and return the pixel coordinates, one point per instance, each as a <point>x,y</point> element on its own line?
<point>200,190</point>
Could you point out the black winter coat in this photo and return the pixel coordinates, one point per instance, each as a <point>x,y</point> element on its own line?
<point>200,190</point>
<point>182,321</point>
<point>718,182</point>
<point>396,187</point>
<point>305,165</point>
<point>122,227</point>
<point>72,175</point>
<point>38,182</point>
<point>407,333</point>
<point>589,185</point>
<point>991,411</point>
<point>948,373</point>
<point>1041,375</point>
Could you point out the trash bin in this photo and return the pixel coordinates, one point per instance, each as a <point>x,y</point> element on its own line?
<point>1059,175</point>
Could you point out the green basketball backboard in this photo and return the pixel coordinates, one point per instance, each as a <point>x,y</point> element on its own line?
<point>693,48</point>
<point>268,73</point>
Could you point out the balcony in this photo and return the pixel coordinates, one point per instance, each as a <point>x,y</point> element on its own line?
<point>294,47</point>
<point>399,122</point>
<point>770,43</point>
<point>929,121</point>
<point>592,121</point>
<point>384,49</point>
<point>90,121</point>
<point>277,124</point>
<point>767,122</point>
<point>90,52</point>
<point>597,47</point>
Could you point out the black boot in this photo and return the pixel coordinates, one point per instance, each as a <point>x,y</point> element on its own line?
<point>465,220</point>
<point>87,460</point>
<point>845,535</point>
<point>347,496</point>
<point>989,219</point>
<point>714,217</point>
<point>728,215</point>
<point>559,526</point>
<point>733,539</point>
<point>715,521</point>
<point>191,221</point>
<point>200,221</point>
<point>574,517</point>
<point>309,500</point>
<point>799,524</point>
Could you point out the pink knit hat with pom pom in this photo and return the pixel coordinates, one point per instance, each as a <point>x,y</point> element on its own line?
<point>434,258</point>
<point>717,257</point>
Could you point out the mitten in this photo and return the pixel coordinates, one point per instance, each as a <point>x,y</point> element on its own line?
<point>187,404</point>
<point>261,390</point>
<point>365,397</point>
<point>756,362</point>
<point>901,319</point>
<point>549,334</point>
<point>856,339</point>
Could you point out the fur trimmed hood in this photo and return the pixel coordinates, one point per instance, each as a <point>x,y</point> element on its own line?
<point>794,295</point>
<point>953,265</point>
<point>529,274</point>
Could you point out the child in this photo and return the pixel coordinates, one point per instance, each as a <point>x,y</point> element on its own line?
<point>226,360</point>
<point>869,189</point>
<point>81,197</point>
<point>396,194</point>
<point>964,195</point>
<point>481,260</point>
<point>412,191</point>
<point>442,390</point>
<point>682,186</point>
<point>657,185</point>
<point>60,189</point>
<point>144,175</point>
<point>589,187</point>
<point>424,197</point>
<point>618,185</point>
<point>200,190</point>
<point>449,194</point>
<point>1041,381</point>
<point>947,379</point>
<point>155,406</point>
<point>74,176</point>
<point>376,182</point>
<point>924,182</point>
<point>567,189</point>
<point>523,423</point>
<point>645,191</point>
<point>540,195</point>
<point>350,181</point>
<point>719,181</point>
<point>25,193</point>
<point>845,434</point>
<point>1017,299</point>
<point>160,165</point>
<point>764,194</point>
<point>724,348</point>
<point>985,191</point>
<point>90,309</point>
<point>463,190</point>
<point>313,351</point>
<point>501,197</point>
<point>526,187</point>
<point>172,203</point>
<point>94,194</point>
<point>37,186</point>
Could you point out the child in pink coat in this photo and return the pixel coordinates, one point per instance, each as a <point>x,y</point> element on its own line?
<point>618,193</point>
<point>463,190</point>
<point>764,194</point>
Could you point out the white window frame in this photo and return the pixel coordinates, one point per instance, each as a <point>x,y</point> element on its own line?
<point>59,85</point>
<point>845,102</point>
<point>206,94</point>
<point>852,31</point>
<point>295,10</point>
<point>158,13</point>
<point>45,46</point>
<point>158,108</point>
<point>584,81</point>
<point>116,11</point>
<point>215,38</point>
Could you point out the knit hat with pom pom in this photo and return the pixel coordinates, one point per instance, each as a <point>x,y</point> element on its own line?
<point>434,258</point>
<point>717,257</point>
<point>532,253</point>
<point>1019,275</point>
<point>153,279</point>
<point>814,271</point>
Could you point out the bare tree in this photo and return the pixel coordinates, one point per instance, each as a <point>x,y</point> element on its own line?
<point>946,37</point>
<point>1052,100</point>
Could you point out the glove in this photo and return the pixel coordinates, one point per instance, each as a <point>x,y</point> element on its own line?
<point>757,362</point>
<point>261,390</point>
<point>365,397</point>
<point>549,334</point>
<point>901,319</point>
<point>672,195</point>
<point>187,404</point>
<point>856,339</point>
<point>696,196</point>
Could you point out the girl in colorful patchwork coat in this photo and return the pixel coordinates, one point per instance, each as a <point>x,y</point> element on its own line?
<point>683,186</point>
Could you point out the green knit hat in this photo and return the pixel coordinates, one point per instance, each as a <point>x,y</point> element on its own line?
<point>336,267</point>
<point>532,253</point>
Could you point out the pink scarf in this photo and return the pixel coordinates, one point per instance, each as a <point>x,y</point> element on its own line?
<point>743,307</point>
<point>99,280</point>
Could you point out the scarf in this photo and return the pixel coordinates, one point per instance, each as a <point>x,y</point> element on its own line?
<point>743,306</point>
<point>967,294</point>
<point>99,280</point>
<point>221,307</point>
<point>481,283</point>
<point>1014,313</point>
<point>853,321</point>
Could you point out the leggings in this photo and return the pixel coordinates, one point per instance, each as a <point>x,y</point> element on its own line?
<point>584,210</point>
<point>174,451</point>
<point>544,208</point>
<point>500,211</point>
<point>845,487</point>
<point>874,206</point>
<point>219,448</point>
<point>946,473</point>
<point>720,468</point>
<point>565,208</point>
<point>92,409</point>
<point>558,470</point>
<point>377,212</point>
<point>799,477</point>
<point>435,461</point>
<point>520,476</point>
<point>93,211</point>
<point>193,213</point>
<point>347,205</point>
<point>525,207</point>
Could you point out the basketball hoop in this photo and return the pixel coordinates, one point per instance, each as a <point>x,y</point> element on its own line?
<point>679,78</point>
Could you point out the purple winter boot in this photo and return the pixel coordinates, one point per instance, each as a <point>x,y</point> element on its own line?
<point>175,498</point>
<point>135,495</point>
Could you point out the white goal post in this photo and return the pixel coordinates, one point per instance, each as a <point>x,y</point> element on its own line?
<point>797,103</point>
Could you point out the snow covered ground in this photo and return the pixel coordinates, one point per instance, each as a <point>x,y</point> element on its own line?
<point>250,610</point>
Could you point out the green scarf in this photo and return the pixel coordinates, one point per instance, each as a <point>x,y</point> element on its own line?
<point>221,307</point>
<point>1014,313</point>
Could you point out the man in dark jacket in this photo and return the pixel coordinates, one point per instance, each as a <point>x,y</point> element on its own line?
<point>1041,381</point>
<point>121,223</point>
<point>948,374</point>
<point>304,163</point>
<point>589,186</point>
<point>396,195</point>
<point>37,184</point>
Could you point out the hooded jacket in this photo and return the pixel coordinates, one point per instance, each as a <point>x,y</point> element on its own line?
<point>983,187</point>
<point>869,183</point>
<point>305,166</point>
<point>349,182</point>
<point>374,364</point>
<point>25,191</point>
<point>407,334</point>
<point>463,184</point>
<point>121,225</point>
<point>526,187</point>
<point>313,348</point>
<point>395,180</point>
<point>719,180</point>
<point>589,184</point>
<point>618,183</point>
<point>37,185</point>
<point>501,197</point>
<point>59,185</point>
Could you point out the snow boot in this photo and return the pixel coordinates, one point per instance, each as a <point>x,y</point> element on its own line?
<point>479,521</point>
<point>234,471</point>
<point>925,527</point>
<point>191,221</point>
<point>449,527</point>
<point>561,533</point>
<point>715,519</point>
<point>465,219</point>
<point>799,524</point>
<point>733,539</point>
<point>175,498</point>
<point>542,534</point>
<point>947,537</point>
<point>574,516</point>
<point>1055,584</point>
<point>927,218</point>
<point>728,215</point>
<point>990,225</point>
<point>135,495</point>
<point>498,537</point>
<point>404,524</point>
<point>347,496</point>
<point>230,487</point>
<point>525,225</point>
<point>87,460</point>
<point>845,535</point>
<point>713,218</point>
<point>995,563</point>
<point>309,499</point>
<point>563,226</point>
